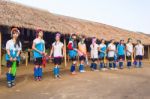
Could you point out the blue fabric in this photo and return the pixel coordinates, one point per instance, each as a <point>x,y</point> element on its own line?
<point>35,72</point>
<point>58,70</point>
<point>135,63</point>
<point>91,65</point>
<point>101,55</point>
<point>9,77</point>
<point>40,47</point>
<point>81,67</point>
<point>55,71</point>
<point>72,53</point>
<point>120,49</point>
<point>110,65</point>
<point>128,64</point>
<point>140,64</point>
<point>40,73</point>
<point>115,57</point>
<point>94,66</point>
<point>114,64</point>
<point>13,55</point>
<point>72,69</point>
<point>120,64</point>
<point>12,77</point>
<point>101,65</point>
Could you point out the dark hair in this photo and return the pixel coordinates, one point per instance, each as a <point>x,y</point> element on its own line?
<point>73,35</point>
<point>17,40</point>
<point>120,41</point>
<point>102,40</point>
<point>111,40</point>
<point>129,39</point>
<point>139,41</point>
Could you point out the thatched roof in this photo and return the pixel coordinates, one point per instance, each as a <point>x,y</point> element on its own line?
<point>13,14</point>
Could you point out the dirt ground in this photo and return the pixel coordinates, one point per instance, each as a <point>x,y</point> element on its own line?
<point>122,84</point>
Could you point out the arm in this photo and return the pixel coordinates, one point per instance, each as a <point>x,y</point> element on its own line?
<point>52,50</point>
<point>143,51</point>
<point>8,51</point>
<point>33,47</point>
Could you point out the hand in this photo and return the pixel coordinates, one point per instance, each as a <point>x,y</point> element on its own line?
<point>42,53</point>
<point>50,56</point>
<point>15,59</point>
<point>11,58</point>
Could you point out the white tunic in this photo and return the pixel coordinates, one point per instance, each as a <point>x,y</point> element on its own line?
<point>94,50</point>
<point>57,49</point>
<point>129,49</point>
<point>111,47</point>
<point>10,45</point>
<point>139,49</point>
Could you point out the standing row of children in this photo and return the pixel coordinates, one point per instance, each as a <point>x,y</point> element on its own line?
<point>99,53</point>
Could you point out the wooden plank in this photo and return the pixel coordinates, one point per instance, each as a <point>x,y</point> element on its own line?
<point>148,52</point>
<point>0,53</point>
<point>65,57</point>
<point>26,54</point>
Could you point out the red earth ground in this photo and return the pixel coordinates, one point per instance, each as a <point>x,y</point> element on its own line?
<point>122,84</point>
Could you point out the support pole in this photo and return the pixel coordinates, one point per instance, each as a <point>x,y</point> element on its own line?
<point>0,53</point>
<point>148,53</point>
<point>65,57</point>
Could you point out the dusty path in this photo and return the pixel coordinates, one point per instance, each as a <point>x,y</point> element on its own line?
<point>122,84</point>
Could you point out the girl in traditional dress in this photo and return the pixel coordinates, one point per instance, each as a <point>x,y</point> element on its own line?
<point>38,53</point>
<point>13,49</point>
<point>58,52</point>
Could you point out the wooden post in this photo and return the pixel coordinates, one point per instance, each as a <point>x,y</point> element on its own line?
<point>65,57</point>
<point>0,53</point>
<point>148,53</point>
<point>26,54</point>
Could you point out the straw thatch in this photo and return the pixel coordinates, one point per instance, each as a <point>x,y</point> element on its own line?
<point>13,14</point>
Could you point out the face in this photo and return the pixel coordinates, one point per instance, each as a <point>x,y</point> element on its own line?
<point>74,37</point>
<point>94,40</point>
<point>40,34</point>
<point>122,42</point>
<point>83,39</point>
<point>138,42</point>
<point>113,41</point>
<point>130,40</point>
<point>15,34</point>
<point>57,38</point>
<point>103,41</point>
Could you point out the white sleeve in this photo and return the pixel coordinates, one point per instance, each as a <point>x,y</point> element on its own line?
<point>53,44</point>
<point>109,45</point>
<point>34,41</point>
<point>62,44</point>
<point>91,46</point>
<point>20,48</point>
<point>99,45</point>
<point>7,45</point>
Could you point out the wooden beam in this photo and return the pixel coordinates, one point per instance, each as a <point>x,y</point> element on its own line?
<point>0,53</point>
<point>26,54</point>
<point>148,52</point>
<point>65,57</point>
